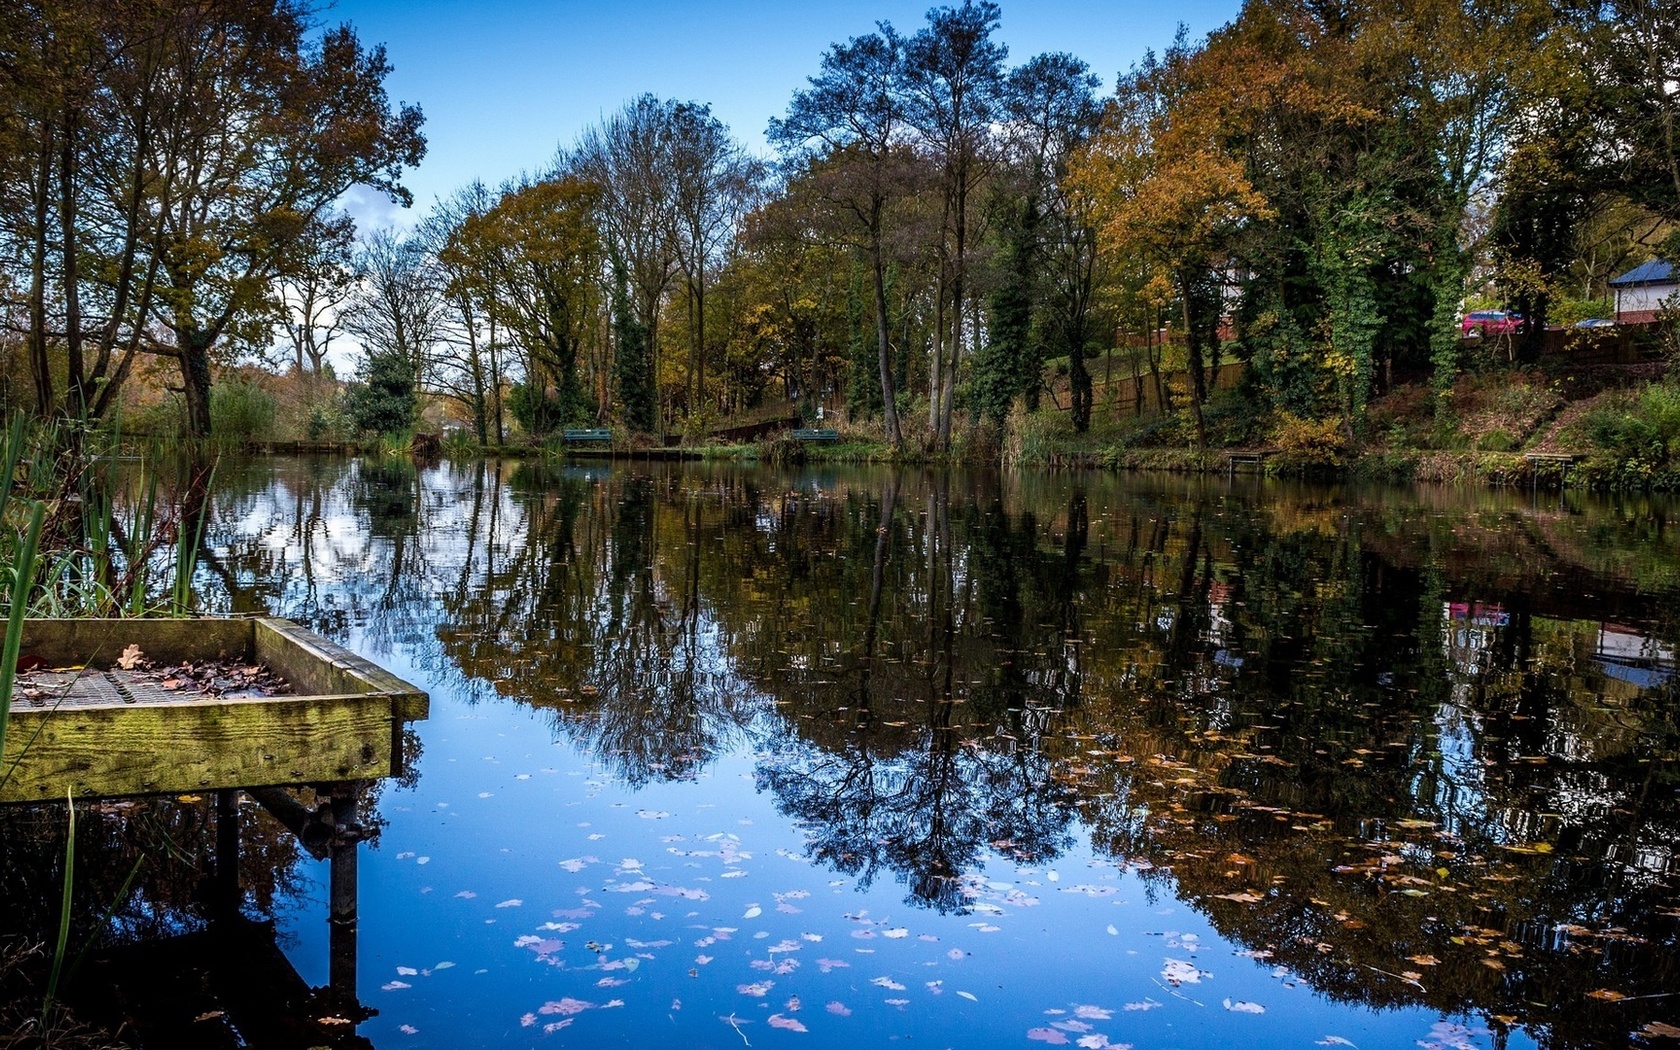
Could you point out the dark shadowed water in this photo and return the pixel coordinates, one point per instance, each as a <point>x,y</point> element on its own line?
<point>725,757</point>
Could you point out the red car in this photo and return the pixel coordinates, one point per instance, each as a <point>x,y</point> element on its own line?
<point>1492,322</point>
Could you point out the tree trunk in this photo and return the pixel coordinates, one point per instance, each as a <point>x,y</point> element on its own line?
<point>1193,360</point>
<point>948,386</point>
<point>496,384</point>
<point>883,346</point>
<point>39,366</point>
<point>75,369</point>
<point>700,343</point>
<point>1079,384</point>
<point>194,352</point>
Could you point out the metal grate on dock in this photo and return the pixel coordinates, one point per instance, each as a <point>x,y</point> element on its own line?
<point>70,688</point>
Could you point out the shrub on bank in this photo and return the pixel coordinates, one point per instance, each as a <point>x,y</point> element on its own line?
<point>1635,438</point>
<point>241,411</point>
<point>1309,445</point>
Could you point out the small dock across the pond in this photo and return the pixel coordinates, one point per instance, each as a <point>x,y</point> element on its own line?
<point>1254,459</point>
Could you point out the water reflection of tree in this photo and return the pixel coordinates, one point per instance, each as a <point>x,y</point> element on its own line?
<point>168,846</point>
<point>596,613</point>
<point>1257,700</point>
<point>1312,803</point>
<point>923,716</point>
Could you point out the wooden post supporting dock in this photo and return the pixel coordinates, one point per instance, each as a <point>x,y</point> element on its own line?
<point>226,895</point>
<point>345,799</point>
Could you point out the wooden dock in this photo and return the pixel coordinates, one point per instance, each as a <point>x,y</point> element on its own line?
<point>1562,461</point>
<point>1252,458</point>
<point>95,729</point>
<point>114,708</point>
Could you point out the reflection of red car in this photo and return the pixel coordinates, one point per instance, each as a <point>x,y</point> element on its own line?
<point>1492,322</point>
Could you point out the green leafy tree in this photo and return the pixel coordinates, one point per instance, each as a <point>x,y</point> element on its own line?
<point>953,80</point>
<point>539,248</point>
<point>846,133</point>
<point>634,366</point>
<point>268,132</point>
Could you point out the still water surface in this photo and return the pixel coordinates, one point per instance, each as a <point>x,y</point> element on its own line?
<point>724,757</point>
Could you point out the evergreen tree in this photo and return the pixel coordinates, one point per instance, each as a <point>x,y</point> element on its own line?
<point>384,401</point>
<point>635,372</point>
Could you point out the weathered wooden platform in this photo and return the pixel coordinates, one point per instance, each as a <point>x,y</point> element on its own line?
<point>1254,459</point>
<point>112,733</point>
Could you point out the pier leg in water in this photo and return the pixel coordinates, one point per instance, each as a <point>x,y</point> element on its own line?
<point>341,908</point>
<point>226,890</point>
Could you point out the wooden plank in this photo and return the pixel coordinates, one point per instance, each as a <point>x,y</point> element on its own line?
<point>314,664</point>
<point>195,747</point>
<point>98,643</point>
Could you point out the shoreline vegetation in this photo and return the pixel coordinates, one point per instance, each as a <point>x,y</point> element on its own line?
<point>1400,240</point>
<point>1603,427</point>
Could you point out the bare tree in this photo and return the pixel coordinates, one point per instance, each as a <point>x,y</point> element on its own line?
<point>313,295</point>
<point>468,367</point>
<point>396,310</point>
<point>628,158</point>
<point>713,183</point>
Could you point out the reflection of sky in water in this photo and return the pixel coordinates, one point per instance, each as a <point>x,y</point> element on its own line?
<point>479,858</point>
<point>1459,793</point>
<point>523,892</point>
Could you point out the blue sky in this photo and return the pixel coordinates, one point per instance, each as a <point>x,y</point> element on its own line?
<point>505,82</point>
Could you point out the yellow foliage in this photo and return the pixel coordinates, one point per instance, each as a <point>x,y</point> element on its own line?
<point>1310,442</point>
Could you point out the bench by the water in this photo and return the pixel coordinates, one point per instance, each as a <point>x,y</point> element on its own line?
<point>804,434</point>
<point>581,436</point>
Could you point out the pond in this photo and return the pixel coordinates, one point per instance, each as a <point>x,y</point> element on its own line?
<point>836,757</point>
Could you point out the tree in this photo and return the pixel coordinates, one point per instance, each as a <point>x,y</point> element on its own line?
<point>269,132</point>
<point>468,369</point>
<point>713,182</point>
<point>396,310</point>
<point>843,134</point>
<point>385,399</point>
<point>313,294</point>
<point>173,161</point>
<point>952,81</point>
<point>540,247</point>
<point>628,161</point>
<point>634,375</point>
<point>1050,254</point>
<point>85,87</point>
<point>1635,44</point>
<point>1165,191</point>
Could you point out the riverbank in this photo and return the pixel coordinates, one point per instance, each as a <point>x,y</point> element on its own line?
<point>1599,426</point>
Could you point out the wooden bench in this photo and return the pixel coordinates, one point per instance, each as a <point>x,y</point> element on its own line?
<point>804,434</point>
<point>572,437</point>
